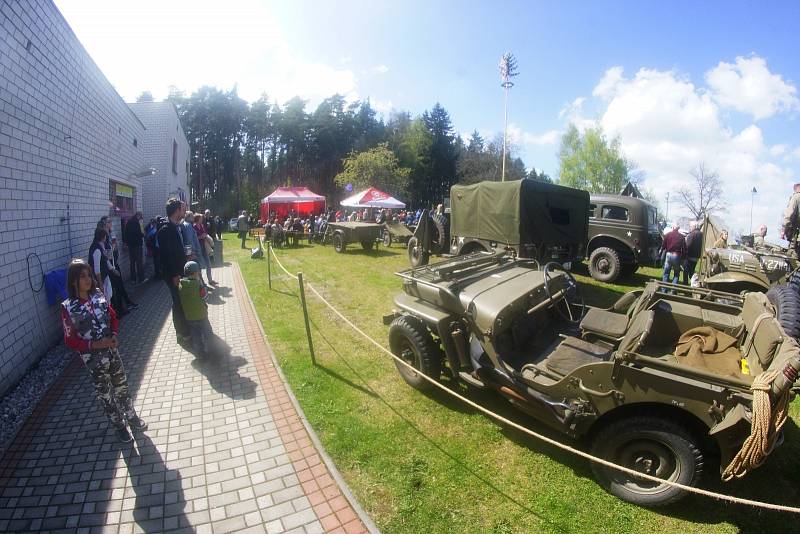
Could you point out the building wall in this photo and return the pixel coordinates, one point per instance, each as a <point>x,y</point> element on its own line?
<point>64,133</point>
<point>163,128</point>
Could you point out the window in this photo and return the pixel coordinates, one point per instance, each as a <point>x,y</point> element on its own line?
<point>174,157</point>
<point>592,210</point>
<point>652,218</point>
<point>615,212</point>
<point>122,199</point>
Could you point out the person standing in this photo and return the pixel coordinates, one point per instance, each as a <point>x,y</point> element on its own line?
<point>122,301</point>
<point>218,227</point>
<point>173,257</point>
<point>722,241</point>
<point>674,246</point>
<point>133,237</point>
<point>694,249</point>
<point>193,297</point>
<point>90,329</point>
<point>791,218</point>
<point>758,239</point>
<point>99,264</point>
<point>241,225</point>
<point>206,245</point>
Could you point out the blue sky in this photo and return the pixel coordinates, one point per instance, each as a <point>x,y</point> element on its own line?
<point>680,82</point>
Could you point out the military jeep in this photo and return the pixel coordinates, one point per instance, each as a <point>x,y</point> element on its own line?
<point>768,269</point>
<point>623,234</point>
<point>608,377</point>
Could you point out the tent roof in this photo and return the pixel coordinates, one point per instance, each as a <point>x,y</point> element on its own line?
<point>284,195</point>
<point>372,198</point>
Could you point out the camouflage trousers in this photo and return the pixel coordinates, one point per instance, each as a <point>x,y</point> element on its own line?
<point>110,384</point>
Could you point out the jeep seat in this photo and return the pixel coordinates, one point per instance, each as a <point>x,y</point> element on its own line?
<point>604,323</point>
<point>573,352</point>
<point>764,333</point>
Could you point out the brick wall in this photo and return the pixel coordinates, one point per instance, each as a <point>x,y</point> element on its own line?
<point>163,127</point>
<point>64,133</point>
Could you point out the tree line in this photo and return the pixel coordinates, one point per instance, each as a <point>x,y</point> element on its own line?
<point>241,151</point>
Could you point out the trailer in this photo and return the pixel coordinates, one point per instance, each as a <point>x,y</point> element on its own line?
<point>341,234</point>
<point>396,231</point>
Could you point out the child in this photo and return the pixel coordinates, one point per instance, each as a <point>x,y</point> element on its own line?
<point>90,329</point>
<point>193,294</point>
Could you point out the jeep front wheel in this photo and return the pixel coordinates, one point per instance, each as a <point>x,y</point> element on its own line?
<point>655,446</point>
<point>410,341</point>
<point>604,264</point>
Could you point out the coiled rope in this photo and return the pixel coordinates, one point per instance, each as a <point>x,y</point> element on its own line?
<point>540,437</point>
<point>766,426</point>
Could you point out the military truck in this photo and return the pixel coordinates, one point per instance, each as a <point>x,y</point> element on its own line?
<point>623,234</point>
<point>768,269</point>
<point>608,377</point>
<point>533,219</point>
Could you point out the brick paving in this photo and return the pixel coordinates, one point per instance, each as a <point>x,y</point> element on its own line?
<point>226,449</point>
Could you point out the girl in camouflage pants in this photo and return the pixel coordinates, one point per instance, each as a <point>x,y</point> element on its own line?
<point>90,329</point>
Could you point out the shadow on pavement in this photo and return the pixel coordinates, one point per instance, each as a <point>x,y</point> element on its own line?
<point>221,369</point>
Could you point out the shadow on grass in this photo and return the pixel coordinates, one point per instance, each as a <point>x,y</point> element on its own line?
<point>377,253</point>
<point>442,398</point>
<point>334,374</point>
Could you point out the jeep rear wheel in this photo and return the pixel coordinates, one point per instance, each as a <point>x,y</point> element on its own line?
<point>604,264</point>
<point>410,341</point>
<point>387,239</point>
<point>658,447</point>
<point>787,308</point>
<point>416,256</point>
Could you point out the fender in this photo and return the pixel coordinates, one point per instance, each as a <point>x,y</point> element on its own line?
<point>611,237</point>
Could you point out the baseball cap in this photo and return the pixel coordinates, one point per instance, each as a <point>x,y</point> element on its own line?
<point>191,267</point>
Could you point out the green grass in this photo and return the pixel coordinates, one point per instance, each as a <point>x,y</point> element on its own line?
<point>427,463</point>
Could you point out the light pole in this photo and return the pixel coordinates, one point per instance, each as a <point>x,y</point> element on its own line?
<point>752,196</point>
<point>508,69</point>
<point>667,214</point>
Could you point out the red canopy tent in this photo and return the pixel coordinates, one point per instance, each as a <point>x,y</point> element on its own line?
<point>301,200</point>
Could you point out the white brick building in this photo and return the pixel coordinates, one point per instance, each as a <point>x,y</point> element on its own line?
<point>70,150</point>
<point>166,150</point>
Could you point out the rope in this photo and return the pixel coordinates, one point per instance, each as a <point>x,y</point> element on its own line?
<point>550,441</point>
<point>764,430</point>
<point>280,264</point>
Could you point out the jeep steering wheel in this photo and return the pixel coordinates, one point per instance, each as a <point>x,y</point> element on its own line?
<point>572,293</point>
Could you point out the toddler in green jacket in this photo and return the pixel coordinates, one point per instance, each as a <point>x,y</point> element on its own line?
<point>193,294</point>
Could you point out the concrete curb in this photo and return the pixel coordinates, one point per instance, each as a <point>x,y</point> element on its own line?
<point>362,515</point>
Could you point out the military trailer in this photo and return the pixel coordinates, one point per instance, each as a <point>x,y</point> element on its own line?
<point>736,268</point>
<point>612,378</point>
<point>623,234</point>
<point>533,219</point>
<point>340,234</point>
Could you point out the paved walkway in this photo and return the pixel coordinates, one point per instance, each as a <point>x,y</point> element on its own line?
<point>226,449</point>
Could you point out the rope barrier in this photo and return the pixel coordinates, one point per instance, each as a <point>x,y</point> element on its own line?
<point>280,264</point>
<point>550,441</point>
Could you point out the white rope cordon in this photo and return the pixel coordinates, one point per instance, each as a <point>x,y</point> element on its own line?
<point>280,264</point>
<point>550,441</point>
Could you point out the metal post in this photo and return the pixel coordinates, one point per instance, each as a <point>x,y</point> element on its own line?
<point>269,263</point>
<point>305,317</point>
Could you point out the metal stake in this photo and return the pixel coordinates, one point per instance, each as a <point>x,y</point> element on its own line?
<point>305,317</point>
<point>269,263</point>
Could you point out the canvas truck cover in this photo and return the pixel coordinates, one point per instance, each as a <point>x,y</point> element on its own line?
<point>519,212</point>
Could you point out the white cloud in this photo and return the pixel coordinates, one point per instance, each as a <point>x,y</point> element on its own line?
<point>668,126</point>
<point>748,86</point>
<point>777,150</point>
<point>608,83</point>
<point>151,45</point>
<point>573,109</point>
<point>518,136</point>
<point>380,69</point>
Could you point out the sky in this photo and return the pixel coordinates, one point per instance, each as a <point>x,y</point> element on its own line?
<point>680,83</point>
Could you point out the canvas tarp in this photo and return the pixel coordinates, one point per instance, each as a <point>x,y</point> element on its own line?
<point>520,212</point>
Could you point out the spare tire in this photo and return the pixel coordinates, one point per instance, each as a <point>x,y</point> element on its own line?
<point>787,308</point>
<point>416,255</point>
<point>604,264</point>
<point>438,236</point>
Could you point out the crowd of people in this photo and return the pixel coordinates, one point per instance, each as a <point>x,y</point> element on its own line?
<point>181,245</point>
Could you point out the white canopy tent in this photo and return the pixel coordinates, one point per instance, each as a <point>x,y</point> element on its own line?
<point>372,198</point>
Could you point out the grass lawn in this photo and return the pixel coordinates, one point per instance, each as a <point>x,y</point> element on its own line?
<point>426,463</point>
